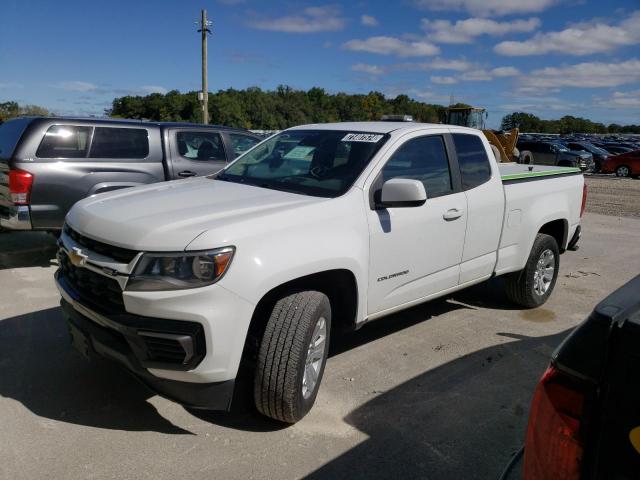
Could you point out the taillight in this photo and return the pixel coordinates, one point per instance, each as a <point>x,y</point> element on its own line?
<point>584,199</point>
<point>557,427</point>
<point>20,183</point>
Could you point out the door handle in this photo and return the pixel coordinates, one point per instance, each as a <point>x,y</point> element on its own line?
<point>453,213</point>
<point>187,173</point>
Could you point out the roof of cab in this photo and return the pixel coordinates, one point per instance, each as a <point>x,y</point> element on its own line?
<point>130,122</point>
<point>377,127</point>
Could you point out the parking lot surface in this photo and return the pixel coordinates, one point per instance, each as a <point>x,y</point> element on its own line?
<point>439,391</point>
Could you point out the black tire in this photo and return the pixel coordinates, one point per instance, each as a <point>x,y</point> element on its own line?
<point>565,163</point>
<point>623,171</point>
<point>280,370</point>
<point>521,286</point>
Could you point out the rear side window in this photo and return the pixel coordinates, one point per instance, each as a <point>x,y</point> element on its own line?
<point>200,145</point>
<point>475,168</point>
<point>65,141</point>
<point>10,133</point>
<point>424,159</point>
<point>120,143</point>
<point>241,143</point>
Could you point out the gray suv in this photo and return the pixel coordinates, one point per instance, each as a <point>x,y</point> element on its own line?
<point>47,163</point>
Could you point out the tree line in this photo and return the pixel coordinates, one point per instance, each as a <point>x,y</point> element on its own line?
<point>277,109</point>
<point>527,122</point>
<point>258,109</point>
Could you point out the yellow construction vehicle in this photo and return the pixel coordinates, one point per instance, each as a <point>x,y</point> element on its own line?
<point>502,143</point>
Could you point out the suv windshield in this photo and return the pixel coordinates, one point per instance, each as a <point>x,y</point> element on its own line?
<point>322,163</point>
<point>593,149</point>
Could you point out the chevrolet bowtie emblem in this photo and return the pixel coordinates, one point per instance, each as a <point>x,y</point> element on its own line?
<point>77,258</point>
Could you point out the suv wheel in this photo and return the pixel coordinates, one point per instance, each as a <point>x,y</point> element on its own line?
<point>532,286</point>
<point>292,356</point>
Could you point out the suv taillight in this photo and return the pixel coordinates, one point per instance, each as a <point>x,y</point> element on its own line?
<point>557,427</point>
<point>584,199</point>
<point>20,183</point>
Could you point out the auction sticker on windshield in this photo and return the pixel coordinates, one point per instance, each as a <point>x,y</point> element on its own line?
<point>362,137</point>
<point>299,153</point>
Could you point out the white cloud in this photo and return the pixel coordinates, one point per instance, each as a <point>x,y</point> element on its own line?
<point>443,80</point>
<point>487,8</point>
<point>153,89</point>
<point>624,100</point>
<point>579,39</point>
<point>464,31</point>
<point>582,75</point>
<point>392,46</point>
<point>77,86</point>
<point>505,72</point>
<point>311,20</point>
<point>366,68</point>
<point>369,21</point>
<point>435,64</point>
<point>479,75</point>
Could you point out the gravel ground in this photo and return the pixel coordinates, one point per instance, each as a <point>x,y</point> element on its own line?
<point>610,195</point>
<point>439,391</point>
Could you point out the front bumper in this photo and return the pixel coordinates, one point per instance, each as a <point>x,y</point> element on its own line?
<point>16,217</point>
<point>118,338</point>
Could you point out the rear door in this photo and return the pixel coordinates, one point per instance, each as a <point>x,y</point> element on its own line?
<point>196,152</point>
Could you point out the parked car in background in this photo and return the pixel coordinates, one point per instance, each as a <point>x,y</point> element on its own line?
<point>599,154</point>
<point>616,149</point>
<point>623,165</point>
<point>554,153</point>
<point>49,163</point>
<point>584,421</point>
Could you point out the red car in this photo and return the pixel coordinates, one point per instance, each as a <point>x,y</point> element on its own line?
<point>623,165</point>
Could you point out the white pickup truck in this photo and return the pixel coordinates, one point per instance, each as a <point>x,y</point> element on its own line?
<point>317,229</point>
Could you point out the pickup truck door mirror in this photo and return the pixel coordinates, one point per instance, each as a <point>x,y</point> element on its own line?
<point>402,192</point>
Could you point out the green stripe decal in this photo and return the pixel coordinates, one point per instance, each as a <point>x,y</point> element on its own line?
<point>545,173</point>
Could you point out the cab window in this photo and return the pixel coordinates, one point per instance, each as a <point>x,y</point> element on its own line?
<point>424,159</point>
<point>241,143</point>
<point>475,168</point>
<point>203,146</point>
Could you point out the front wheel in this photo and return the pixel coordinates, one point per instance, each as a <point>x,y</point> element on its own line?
<point>292,356</point>
<point>532,286</point>
<point>623,171</point>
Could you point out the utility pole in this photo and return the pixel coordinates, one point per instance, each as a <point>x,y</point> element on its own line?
<point>204,29</point>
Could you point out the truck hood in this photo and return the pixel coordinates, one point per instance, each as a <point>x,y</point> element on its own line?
<point>168,216</point>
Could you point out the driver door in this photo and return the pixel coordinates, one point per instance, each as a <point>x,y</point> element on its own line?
<point>415,252</point>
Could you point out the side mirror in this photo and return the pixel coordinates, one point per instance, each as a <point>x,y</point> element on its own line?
<point>402,192</point>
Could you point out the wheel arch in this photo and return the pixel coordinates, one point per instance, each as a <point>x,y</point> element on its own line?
<point>559,230</point>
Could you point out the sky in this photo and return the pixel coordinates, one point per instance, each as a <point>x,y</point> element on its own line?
<point>546,57</point>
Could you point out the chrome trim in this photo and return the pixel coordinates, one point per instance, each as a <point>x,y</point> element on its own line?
<point>19,218</point>
<point>97,263</point>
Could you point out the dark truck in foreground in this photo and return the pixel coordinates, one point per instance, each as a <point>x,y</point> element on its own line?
<point>584,421</point>
<point>47,164</point>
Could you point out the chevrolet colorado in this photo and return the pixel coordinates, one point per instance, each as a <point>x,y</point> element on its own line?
<point>319,228</point>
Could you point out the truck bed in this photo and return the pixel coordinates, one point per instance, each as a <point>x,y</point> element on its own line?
<point>512,172</point>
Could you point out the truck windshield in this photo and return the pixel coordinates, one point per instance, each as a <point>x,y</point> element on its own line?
<point>322,163</point>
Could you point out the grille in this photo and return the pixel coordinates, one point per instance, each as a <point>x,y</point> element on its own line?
<point>95,290</point>
<point>165,350</point>
<point>119,254</point>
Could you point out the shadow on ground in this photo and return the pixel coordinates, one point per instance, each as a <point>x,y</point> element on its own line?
<point>26,249</point>
<point>464,419</point>
<point>39,369</point>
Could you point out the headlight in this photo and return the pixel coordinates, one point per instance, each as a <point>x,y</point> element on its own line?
<point>178,271</point>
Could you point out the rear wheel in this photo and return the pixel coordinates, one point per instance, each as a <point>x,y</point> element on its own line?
<point>623,171</point>
<point>532,286</point>
<point>292,356</point>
